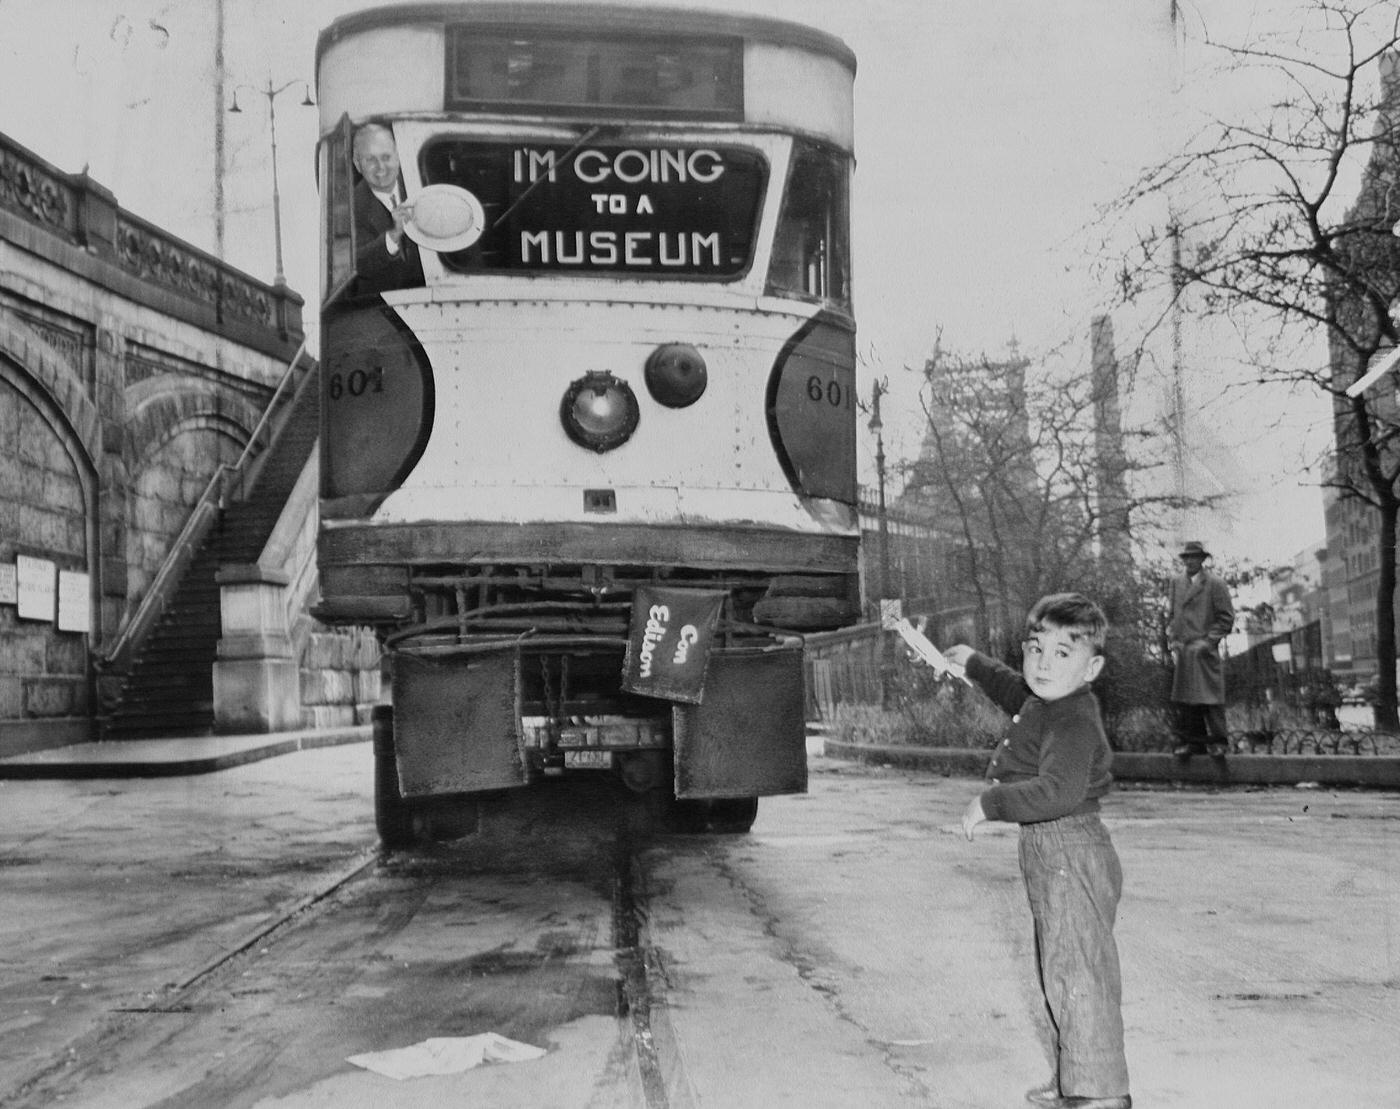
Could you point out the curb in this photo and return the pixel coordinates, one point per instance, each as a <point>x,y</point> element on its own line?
<point>169,758</point>
<point>1368,771</point>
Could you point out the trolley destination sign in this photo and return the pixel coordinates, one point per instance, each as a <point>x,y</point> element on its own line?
<point>630,208</point>
<point>658,210</point>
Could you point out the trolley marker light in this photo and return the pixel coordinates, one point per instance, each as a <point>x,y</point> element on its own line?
<point>676,375</point>
<point>599,411</point>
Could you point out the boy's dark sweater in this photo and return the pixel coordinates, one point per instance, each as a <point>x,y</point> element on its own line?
<point>1055,759</point>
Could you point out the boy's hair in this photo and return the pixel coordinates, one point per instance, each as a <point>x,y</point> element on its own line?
<point>1070,612</point>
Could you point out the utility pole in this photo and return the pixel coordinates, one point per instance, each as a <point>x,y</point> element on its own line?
<point>219,151</point>
<point>1178,385</point>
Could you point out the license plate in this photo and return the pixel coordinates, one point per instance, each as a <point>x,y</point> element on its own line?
<point>588,760</point>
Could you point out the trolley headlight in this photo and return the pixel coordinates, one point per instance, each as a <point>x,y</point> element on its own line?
<point>599,411</point>
<point>676,374</point>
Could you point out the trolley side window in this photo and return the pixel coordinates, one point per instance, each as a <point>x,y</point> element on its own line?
<point>337,184</point>
<point>577,74</point>
<point>811,252</point>
<point>651,211</point>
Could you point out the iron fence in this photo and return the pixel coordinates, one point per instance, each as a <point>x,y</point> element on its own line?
<point>1281,699</point>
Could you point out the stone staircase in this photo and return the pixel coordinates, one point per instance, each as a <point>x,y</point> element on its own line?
<point>168,688</point>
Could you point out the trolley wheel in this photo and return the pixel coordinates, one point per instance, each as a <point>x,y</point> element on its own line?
<point>733,815</point>
<point>724,816</point>
<point>393,816</point>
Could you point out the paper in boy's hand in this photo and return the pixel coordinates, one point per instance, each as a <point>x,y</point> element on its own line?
<point>919,643</point>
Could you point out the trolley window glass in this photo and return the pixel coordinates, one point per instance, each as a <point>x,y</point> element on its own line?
<point>619,75</point>
<point>656,211</point>
<point>337,185</point>
<point>811,251</point>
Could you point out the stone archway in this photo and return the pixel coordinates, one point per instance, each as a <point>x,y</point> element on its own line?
<point>48,494</point>
<point>178,437</point>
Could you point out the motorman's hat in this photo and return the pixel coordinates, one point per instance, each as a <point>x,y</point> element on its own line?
<point>1193,547</point>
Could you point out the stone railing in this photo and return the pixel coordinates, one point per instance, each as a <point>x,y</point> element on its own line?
<point>145,251</point>
<point>77,209</point>
<point>36,190</point>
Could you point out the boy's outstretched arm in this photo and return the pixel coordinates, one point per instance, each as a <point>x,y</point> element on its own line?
<point>1005,686</point>
<point>972,816</point>
<point>958,654</point>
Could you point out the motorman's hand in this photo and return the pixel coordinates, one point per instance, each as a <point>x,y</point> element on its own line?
<point>402,213</point>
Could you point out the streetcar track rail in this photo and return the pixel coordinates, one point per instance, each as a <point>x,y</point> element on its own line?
<point>119,1017</point>
<point>347,873</point>
<point>641,1004</point>
<point>657,1075</point>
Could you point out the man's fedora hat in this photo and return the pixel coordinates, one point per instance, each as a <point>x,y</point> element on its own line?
<point>1193,547</point>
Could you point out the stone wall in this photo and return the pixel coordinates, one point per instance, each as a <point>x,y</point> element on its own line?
<point>43,671</point>
<point>340,678</point>
<point>131,366</point>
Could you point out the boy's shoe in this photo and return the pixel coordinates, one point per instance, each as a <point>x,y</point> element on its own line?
<point>1217,750</point>
<point>1182,751</point>
<point>1049,1097</point>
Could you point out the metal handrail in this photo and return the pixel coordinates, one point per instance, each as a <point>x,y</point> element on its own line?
<point>265,419</point>
<point>202,515</point>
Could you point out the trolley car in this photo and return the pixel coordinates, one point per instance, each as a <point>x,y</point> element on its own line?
<point>589,467</point>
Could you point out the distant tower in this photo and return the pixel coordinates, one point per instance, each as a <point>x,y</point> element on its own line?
<point>1115,540</point>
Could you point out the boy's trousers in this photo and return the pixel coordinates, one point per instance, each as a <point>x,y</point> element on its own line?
<point>1073,880</point>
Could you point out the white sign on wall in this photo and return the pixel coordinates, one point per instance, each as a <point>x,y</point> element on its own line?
<point>9,585</point>
<point>36,586</point>
<point>74,601</point>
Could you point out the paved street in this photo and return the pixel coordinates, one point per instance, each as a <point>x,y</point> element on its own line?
<point>1259,932</point>
<point>853,950</point>
<point>115,890</point>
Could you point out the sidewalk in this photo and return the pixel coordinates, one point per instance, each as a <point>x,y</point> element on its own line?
<point>162,758</point>
<point>167,758</point>
<point>1367,771</point>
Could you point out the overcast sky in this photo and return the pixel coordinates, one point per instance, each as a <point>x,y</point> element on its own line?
<point>987,134</point>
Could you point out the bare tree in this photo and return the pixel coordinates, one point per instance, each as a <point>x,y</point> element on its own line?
<point>1012,461</point>
<point>1268,229</point>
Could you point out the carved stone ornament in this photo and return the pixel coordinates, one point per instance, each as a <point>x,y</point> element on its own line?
<point>41,196</point>
<point>153,257</point>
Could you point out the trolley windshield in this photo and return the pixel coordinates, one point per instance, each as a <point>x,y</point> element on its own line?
<point>676,210</point>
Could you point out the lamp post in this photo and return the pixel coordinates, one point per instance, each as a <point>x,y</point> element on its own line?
<point>882,522</point>
<point>878,427</point>
<point>272,94</point>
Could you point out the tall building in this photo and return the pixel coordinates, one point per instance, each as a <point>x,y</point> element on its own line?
<point>1350,566</point>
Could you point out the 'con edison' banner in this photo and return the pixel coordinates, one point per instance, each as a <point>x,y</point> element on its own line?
<point>669,642</point>
<point>656,210</point>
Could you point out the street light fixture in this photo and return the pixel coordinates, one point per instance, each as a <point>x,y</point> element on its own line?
<point>272,94</point>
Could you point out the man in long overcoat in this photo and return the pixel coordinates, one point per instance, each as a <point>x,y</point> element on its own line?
<point>1201,616</point>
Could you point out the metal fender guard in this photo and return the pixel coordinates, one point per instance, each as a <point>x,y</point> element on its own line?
<point>748,737</point>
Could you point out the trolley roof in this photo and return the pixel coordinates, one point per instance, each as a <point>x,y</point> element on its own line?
<point>541,14</point>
